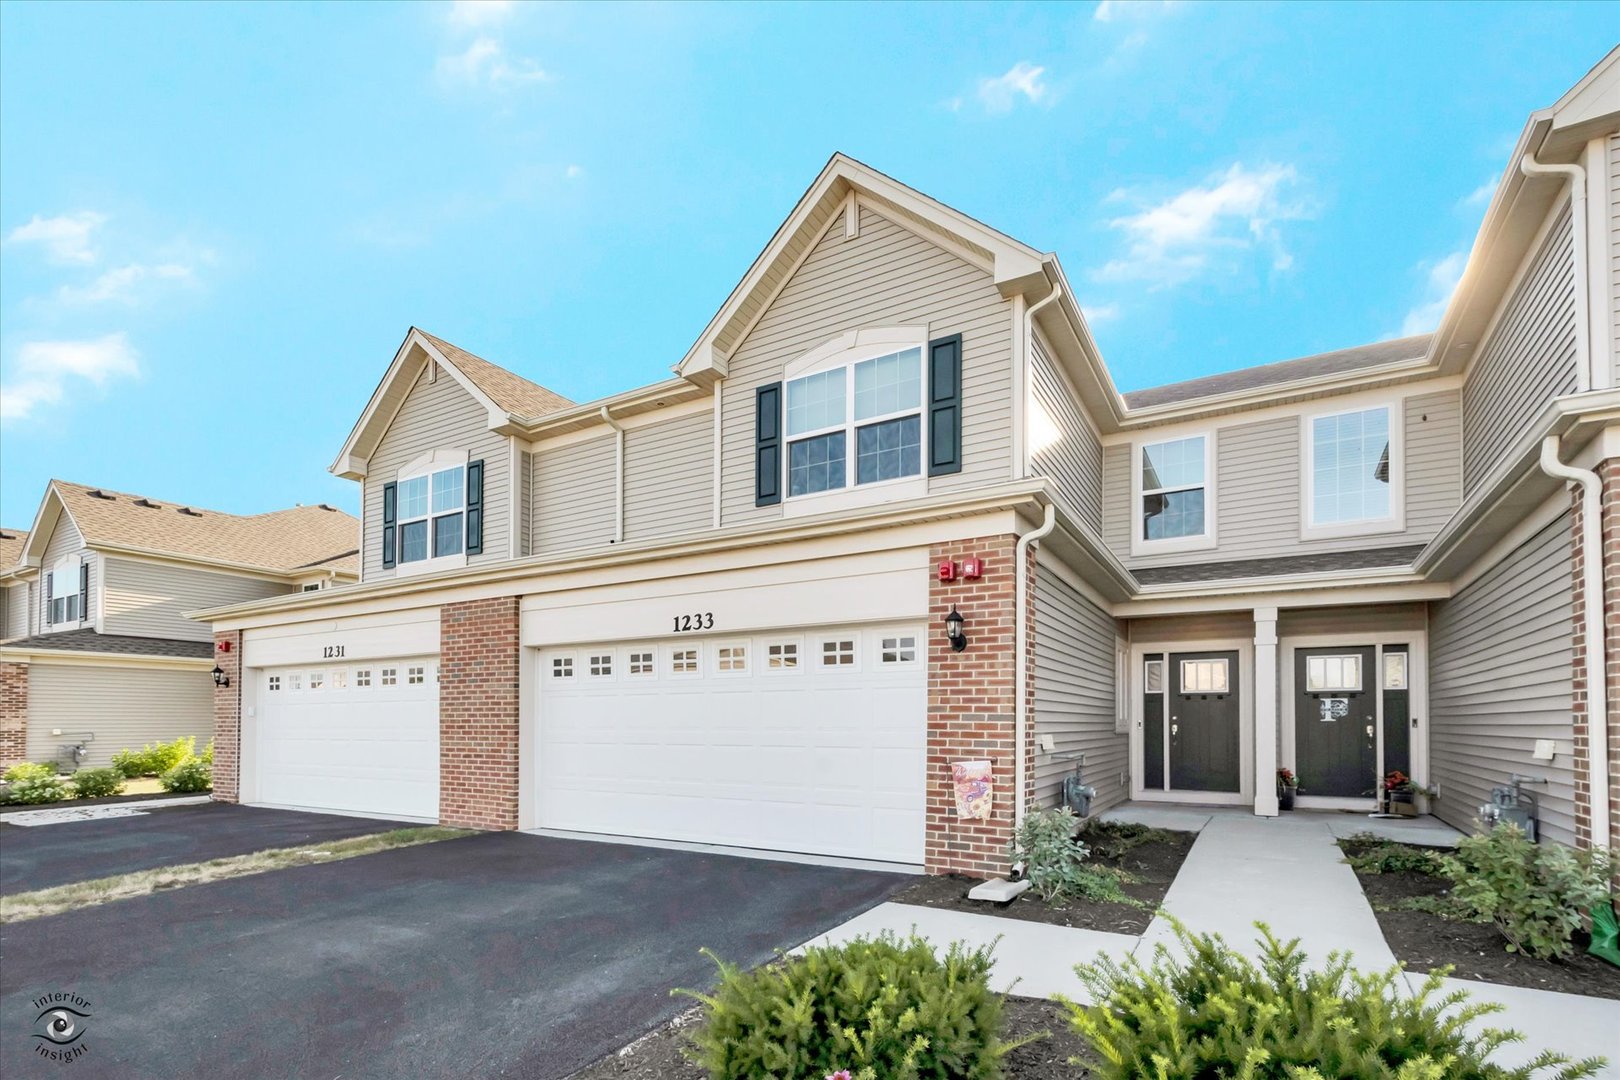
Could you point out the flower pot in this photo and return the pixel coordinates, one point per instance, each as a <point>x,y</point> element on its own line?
<point>1285,798</point>
<point>1403,803</point>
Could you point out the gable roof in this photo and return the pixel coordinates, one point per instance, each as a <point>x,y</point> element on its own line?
<point>508,390</point>
<point>1338,362</point>
<point>11,546</point>
<point>299,539</point>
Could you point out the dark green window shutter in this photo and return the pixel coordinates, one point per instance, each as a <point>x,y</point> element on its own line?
<point>388,526</point>
<point>84,591</point>
<point>475,507</point>
<point>945,405</point>
<point>49,589</point>
<point>768,445</point>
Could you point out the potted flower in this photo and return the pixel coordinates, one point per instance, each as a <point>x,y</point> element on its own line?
<point>1400,793</point>
<point>1287,785</point>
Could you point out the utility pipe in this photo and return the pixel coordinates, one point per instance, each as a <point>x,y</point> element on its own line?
<point>1577,212</point>
<point>1021,659</point>
<point>1597,704</point>
<point>618,480</point>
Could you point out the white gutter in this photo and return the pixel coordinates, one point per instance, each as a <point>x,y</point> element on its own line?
<point>1021,660</point>
<point>1597,705</point>
<point>618,480</point>
<point>1028,362</point>
<point>1577,209</point>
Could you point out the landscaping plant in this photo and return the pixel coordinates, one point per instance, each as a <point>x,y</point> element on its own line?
<point>155,759</point>
<point>27,770</point>
<point>95,783</point>
<point>194,774</point>
<point>37,787</point>
<point>1370,854</point>
<point>1055,862</point>
<point>881,1008</point>
<point>1203,1010</point>
<point>1534,893</point>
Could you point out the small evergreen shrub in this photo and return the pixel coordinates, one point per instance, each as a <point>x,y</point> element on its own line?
<point>1055,862</point>
<point>191,775</point>
<point>155,759</point>
<point>28,770</point>
<point>96,783</point>
<point>37,788</point>
<point>882,1008</point>
<point>1370,854</point>
<point>1534,893</point>
<point>1206,1011</point>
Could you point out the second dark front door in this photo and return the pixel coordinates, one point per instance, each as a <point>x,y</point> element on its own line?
<point>1336,721</point>
<point>1204,735</point>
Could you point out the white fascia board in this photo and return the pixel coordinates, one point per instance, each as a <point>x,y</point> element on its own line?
<point>51,509</point>
<point>1317,592</point>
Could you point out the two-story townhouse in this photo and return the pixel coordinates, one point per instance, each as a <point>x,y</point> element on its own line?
<point>890,517</point>
<point>97,652</point>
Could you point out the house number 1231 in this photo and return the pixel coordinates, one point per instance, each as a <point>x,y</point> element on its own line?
<point>703,620</point>
<point>332,652</point>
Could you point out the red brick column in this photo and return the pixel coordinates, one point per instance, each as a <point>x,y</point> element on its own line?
<point>13,714</point>
<point>970,705</point>
<point>478,713</point>
<point>1609,473</point>
<point>228,718</point>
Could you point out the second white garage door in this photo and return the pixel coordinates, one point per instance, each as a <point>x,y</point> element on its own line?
<point>808,742</point>
<point>360,738</point>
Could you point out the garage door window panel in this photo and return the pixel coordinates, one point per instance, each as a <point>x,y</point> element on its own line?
<point>898,649</point>
<point>731,658</point>
<point>642,664</point>
<point>840,653</point>
<point>275,683</point>
<point>685,661</point>
<point>782,656</point>
<point>390,676</point>
<point>362,678</point>
<point>600,665</point>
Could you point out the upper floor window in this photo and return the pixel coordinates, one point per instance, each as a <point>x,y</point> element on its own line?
<point>858,423</point>
<point>1173,492</point>
<point>1352,471</point>
<point>430,514</point>
<point>64,600</point>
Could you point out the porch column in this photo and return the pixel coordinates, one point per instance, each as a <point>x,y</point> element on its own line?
<point>1265,711</point>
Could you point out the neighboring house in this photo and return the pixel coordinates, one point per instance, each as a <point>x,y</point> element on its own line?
<point>714,608</point>
<point>97,649</point>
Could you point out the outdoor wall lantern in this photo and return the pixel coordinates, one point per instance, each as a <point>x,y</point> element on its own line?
<point>220,678</point>
<point>953,630</point>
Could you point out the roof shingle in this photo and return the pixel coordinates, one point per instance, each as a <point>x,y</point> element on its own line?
<point>11,545</point>
<point>510,391</point>
<point>1337,362</point>
<point>92,642</point>
<point>1319,562</point>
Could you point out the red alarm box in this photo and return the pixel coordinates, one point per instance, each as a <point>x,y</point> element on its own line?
<point>973,568</point>
<point>947,571</point>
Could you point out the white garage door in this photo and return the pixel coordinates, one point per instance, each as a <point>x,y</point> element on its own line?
<point>806,742</point>
<point>362,738</point>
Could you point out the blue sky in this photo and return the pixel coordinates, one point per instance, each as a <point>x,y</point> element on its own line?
<point>217,222</point>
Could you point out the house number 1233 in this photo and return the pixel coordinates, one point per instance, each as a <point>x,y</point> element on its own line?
<point>703,620</point>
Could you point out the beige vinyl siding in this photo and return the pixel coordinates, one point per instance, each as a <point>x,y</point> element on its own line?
<point>1528,360</point>
<point>1074,694</point>
<point>1614,254</point>
<point>669,477</point>
<point>122,707</point>
<point>149,599</point>
<point>525,506</point>
<point>439,414</point>
<point>1501,663</point>
<point>19,610</point>
<point>1071,455</point>
<point>573,493</point>
<point>1353,624</point>
<point>1259,473</point>
<point>887,276</point>
<point>1188,631</point>
<point>66,542</point>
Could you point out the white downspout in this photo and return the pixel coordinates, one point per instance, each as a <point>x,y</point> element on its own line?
<point>1597,705</point>
<point>1029,362</point>
<point>1021,659</point>
<point>618,479</point>
<point>1577,212</point>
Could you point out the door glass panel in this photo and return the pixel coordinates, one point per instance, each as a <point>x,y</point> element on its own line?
<point>1395,671</point>
<point>1333,673</point>
<point>1204,677</point>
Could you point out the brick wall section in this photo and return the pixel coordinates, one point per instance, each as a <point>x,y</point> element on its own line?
<point>970,705</point>
<point>13,714</point>
<point>228,719</point>
<point>1609,473</point>
<point>478,713</point>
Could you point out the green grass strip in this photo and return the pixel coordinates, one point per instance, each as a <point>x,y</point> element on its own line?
<point>83,894</point>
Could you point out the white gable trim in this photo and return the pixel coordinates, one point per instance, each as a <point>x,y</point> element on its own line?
<point>39,537</point>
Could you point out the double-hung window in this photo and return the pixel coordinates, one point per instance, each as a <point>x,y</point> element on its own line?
<point>431,509</point>
<point>1353,480</point>
<point>1174,508</point>
<point>859,423</point>
<point>64,593</point>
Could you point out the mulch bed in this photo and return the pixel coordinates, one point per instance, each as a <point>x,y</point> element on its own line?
<point>105,800</point>
<point>1153,863</point>
<point>1424,941</point>
<point>658,1055</point>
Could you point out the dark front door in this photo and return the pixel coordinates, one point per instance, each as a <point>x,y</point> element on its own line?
<point>1336,721</point>
<point>1203,718</point>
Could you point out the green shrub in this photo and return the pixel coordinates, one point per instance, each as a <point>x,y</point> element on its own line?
<point>885,1008</point>
<point>1116,839</point>
<point>38,788</point>
<point>95,783</point>
<point>27,770</point>
<point>1055,862</point>
<point>1370,854</point>
<point>155,759</point>
<point>191,775</point>
<point>1534,893</point>
<point>1207,1011</point>
<point>207,756</point>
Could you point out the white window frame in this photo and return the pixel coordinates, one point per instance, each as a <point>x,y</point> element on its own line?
<point>436,461</point>
<point>273,684</point>
<point>632,658</point>
<point>1319,661</point>
<point>67,569</point>
<point>1405,659</point>
<point>720,660</point>
<point>562,666</point>
<point>1214,663</point>
<point>796,644</point>
<point>387,676</point>
<point>819,654</point>
<point>846,351</point>
<point>362,678</point>
<point>317,680</point>
<point>416,674</point>
<point>918,648</point>
<point>697,660</point>
<point>1395,520</point>
<point>594,662</point>
<point>1140,545</point>
<point>295,681</point>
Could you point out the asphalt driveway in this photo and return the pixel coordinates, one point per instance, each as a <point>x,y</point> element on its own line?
<point>37,857</point>
<point>500,954</point>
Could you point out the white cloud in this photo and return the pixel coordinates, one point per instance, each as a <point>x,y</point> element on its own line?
<point>47,370</point>
<point>125,283</point>
<point>1440,281</point>
<point>1110,10</point>
<point>1096,313</point>
<point>486,63</point>
<point>1208,227</point>
<point>65,238</point>
<point>1000,94</point>
<point>574,172</point>
<point>1480,196</point>
<point>477,13</point>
